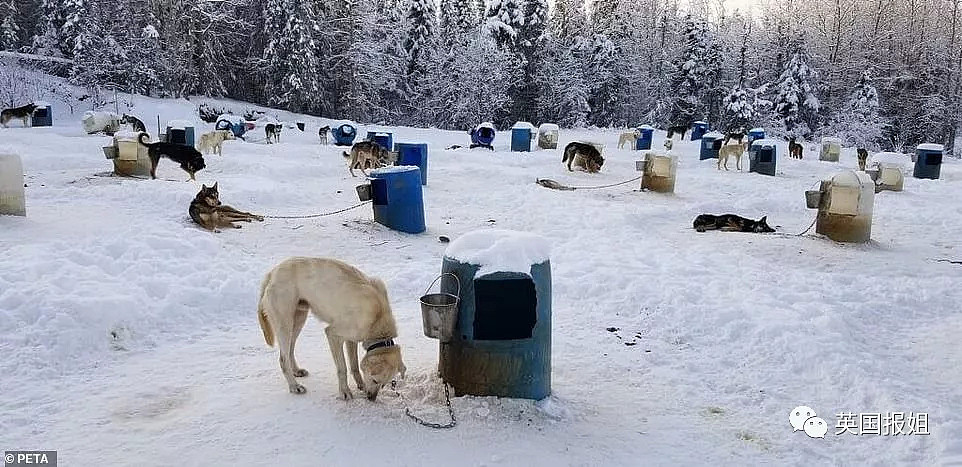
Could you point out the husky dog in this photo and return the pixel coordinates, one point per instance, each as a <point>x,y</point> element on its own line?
<point>369,155</point>
<point>629,137</point>
<point>23,112</point>
<point>668,145</point>
<point>862,158</point>
<point>738,135</point>
<point>189,158</point>
<point>214,141</point>
<point>207,211</point>
<point>794,149</point>
<point>677,129</point>
<point>730,223</point>
<point>356,309</point>
<point>135,123</point>
<point>583,155</point>
<point>273,130</point>
<point>731,150</point>
<point>322,133</point>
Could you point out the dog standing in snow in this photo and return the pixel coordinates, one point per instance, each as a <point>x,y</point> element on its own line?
<point>214,141</point>
<point>583,155</point>
<point>629,137</point>
<point>794,149</point>
<point>356,309</point>
<point>24,113</point>
<point>862,158</point>
<point>273,131</point>
<point>322,133</point>
<point>369,155</point>
<point>731,150</point>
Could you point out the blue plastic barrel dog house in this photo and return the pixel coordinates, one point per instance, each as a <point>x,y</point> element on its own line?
<point>521,137</point>
<point>383,138</point>
<point>928,161</point>
<point>502,340</point>
<point>180,132</point>
<point>762,155</point>
<point>42,115</point>
<point>755,134</point>
<point>344,134</point>
<point>711,143</point>
<point>414,154</point>
<point>698,129</point>
<point>483,135</point>
<point>647,133</point>
<point>397,198</point>
<point>234,123</point>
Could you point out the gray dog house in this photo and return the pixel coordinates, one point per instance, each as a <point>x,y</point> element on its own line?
<point>501,345</point>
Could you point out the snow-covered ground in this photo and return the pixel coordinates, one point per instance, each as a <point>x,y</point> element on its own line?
<point>128,335</point>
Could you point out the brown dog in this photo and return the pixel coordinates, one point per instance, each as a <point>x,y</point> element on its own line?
<point>794,149</point>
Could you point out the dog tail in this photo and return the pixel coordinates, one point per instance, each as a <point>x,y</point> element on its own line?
<point>140,139</point>
<point>262,316</point>
<point>346,155</point>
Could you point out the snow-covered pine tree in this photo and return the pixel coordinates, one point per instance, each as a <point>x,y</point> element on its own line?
<point>739,109</point>
<point>503,18</point>
<point>563,96</point>
<point>293,58</point>
<point>697,69</point>
<point>858,122</point>
<point>458,17</point>
<point>796,102</point>
<point>10,32</point>
<point>76,17</point>
<point>46,41</point>
<point>420,25</point>
<point>529,41</point>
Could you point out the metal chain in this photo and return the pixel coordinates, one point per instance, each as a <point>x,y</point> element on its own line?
<point>318,215</point>
<point>421,421</point>
<point>565,187</point>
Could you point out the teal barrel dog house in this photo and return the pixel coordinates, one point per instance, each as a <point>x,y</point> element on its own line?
<point>501,344</point>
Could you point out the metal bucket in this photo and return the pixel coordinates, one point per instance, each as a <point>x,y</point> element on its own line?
<point>813,199</point>
<point>439,311</point>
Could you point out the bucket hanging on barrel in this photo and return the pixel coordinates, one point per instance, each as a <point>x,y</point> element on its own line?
<point>439,311</point>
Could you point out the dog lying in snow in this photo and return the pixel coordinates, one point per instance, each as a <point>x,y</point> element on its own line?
<point>730,223</point>
<point>214,141</point>
<point>208,212</point>
<point>354,306</point>
<point>629,137</point>
<point>731,150</point>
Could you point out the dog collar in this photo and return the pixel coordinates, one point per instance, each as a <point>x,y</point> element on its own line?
<point>378,344</point>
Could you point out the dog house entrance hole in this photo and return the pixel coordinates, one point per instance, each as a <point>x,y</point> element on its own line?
<point>765,155</point>
<point>41,112</point>
<point>933,159</point>
<point>505,309</point>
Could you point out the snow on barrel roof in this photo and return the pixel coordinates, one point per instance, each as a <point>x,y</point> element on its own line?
<point>763,142</point>
<point>41,104</point>
<point>179,124</point>
<point>713,134</point>
<point>549,127</point>
<point>498,250</point>
<point>487,125</point>
<point>757,130</point>
<point>231,118</point>
<point>527,125</point>
<point>930,147</point>
<point>831,139</point>
<point>394,169</point>
<point>646,127</point>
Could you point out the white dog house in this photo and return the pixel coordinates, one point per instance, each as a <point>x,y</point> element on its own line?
<point>844,205</point>
<point>128,155</point>
<point>658,172</point>
<point>12,200</point>
<point>100,122</point>
<point>831,149</point>
<point>548,136</point>
<point>888,177</point>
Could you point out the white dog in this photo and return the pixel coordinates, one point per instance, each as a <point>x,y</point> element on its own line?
<point>214,141</point>
<point>668,145</point>
<point>731,150</point>
<point>355,307</point>
<point>629,137</point>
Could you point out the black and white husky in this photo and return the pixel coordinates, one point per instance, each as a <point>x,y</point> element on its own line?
<point>730,223</point>
<point>23,112</point>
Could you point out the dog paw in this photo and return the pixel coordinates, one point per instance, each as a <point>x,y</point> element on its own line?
<point>298,389</point>
<point>236,226</point>
<point>346,394</point>
<point>360,386</point>
<point>300,373</point>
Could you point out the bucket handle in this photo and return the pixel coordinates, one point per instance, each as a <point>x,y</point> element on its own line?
<point>436,279</point>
